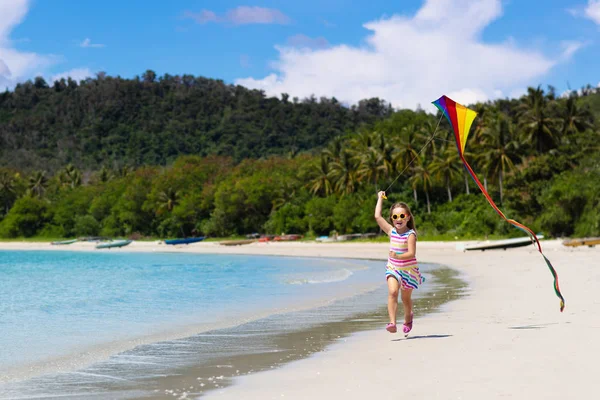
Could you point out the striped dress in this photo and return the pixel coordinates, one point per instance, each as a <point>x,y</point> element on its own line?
<point>406,272</point>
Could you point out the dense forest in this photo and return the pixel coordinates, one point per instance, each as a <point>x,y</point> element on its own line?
<point>183,156</point>
<point>151,121</point>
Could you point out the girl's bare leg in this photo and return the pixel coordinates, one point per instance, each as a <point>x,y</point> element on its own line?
<point>392,298</point>
<point>408,304</point>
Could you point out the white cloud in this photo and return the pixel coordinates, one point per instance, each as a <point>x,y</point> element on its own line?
<point>411,61</point>
<point>592,11</point>
<point>570,47</point>
<point>303,41</point>
<point>16,65</point>
<point>87,42</point>
<point>242,15</point>
<point>77,74</point>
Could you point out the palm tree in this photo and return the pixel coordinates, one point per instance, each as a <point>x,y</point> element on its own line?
<point>537,124</point>
<point>104,175</point>
<point>168,199</point>
<point>363,149</point>
<point>70,176</point>
<point>7,190</point>
<point>369,166</point>
<point>364,140</point>
<point>334,150</point>
<point>284,194</point>
<point>386,154</point>
<point>37,183</point>
<point>500,149</point>
<point>575,118</point>
<point>344,173</point>
<point>319,174</point>
<point>408,150</point>
<point>421,177</point>
<point>446,168</point>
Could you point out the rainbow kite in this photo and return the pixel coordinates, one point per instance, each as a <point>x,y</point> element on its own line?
<point>461,118</point>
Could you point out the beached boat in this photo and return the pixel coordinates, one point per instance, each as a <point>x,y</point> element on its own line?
<point>591,242</point>
<point>184,241</point>
<point>499,244</point>
<point>287,238</point>
<point>115,243</point>
<point>237,242</point>
<point>63,242</point>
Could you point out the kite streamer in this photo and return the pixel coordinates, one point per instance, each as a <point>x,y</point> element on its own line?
<point>461,118</point>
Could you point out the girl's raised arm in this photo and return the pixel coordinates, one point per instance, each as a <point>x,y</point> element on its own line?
<point>383,224</point>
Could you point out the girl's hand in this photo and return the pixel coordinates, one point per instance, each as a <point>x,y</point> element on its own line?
<point>393,255</point>
<point>381,195</point>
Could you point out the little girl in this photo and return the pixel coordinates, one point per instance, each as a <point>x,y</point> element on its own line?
<point>402,271</point>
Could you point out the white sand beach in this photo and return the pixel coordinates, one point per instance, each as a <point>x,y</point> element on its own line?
<point>505,339</point>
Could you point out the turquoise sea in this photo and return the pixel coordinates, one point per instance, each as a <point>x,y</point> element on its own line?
<point>73,320</point>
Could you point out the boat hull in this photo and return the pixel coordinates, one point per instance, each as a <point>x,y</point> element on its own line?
<point>183,241</point>
<point>500,244</point>
<point>116,244</point>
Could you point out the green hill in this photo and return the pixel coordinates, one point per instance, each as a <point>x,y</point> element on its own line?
<point>152,120</point>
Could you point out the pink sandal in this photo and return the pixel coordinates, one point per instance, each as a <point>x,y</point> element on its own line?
<point>391,328</point>
<point>407,327</point>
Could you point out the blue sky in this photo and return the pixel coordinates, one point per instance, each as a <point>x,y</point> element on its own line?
<point>408,52</point>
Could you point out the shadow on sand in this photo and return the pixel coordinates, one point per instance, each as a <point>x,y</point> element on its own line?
<point>534,326</point>
<point>422,337</point>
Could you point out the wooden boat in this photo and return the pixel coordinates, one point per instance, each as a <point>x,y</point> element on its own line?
<point>115,243</point>
<point>591,242</point>
<point>287,238</point>
<point>237,242</point>
<point>63,242</point>
<point>500,244</point>
<point>184,241</point>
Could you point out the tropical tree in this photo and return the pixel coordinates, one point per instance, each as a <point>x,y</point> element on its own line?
<point>538,124</point>
<point>319,177</point>
<point>575,118</point>
<point>500,149</point>
<point>369,168</point>
<point>344,173</point>
<point>104,175</point>
<point>168,199</point>
<point>408,148</point>
<point>8,193</point>
<point>70,177</point>
<point>38,182</point>
<point>386,154</point>
<point>422,178</point>
<point>446,168</point>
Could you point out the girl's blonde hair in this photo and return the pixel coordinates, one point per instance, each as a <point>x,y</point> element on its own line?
<point>411,221</point>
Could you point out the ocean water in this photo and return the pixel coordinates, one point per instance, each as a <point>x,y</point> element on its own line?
<point>73,320</point>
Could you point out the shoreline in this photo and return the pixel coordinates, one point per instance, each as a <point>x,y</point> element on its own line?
<point>507,337</point>
<point>291,250</point>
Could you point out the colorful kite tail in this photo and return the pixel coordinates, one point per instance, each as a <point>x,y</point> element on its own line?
<point>461,118</point>
<point>525,229</point>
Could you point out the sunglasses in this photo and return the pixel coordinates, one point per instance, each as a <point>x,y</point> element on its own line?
<point>400,216</point>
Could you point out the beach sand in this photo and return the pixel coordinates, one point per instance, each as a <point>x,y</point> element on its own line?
<point>505,339</point>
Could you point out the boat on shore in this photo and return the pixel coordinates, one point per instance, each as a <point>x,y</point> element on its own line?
<point>237,242</point>
<point>498,244</point>
<point>590,242</point>
<point>64,242</point>
<point>113,244</point>
<point>184,241</point>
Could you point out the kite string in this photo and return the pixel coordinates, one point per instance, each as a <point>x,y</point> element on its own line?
<point>418,154</point>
